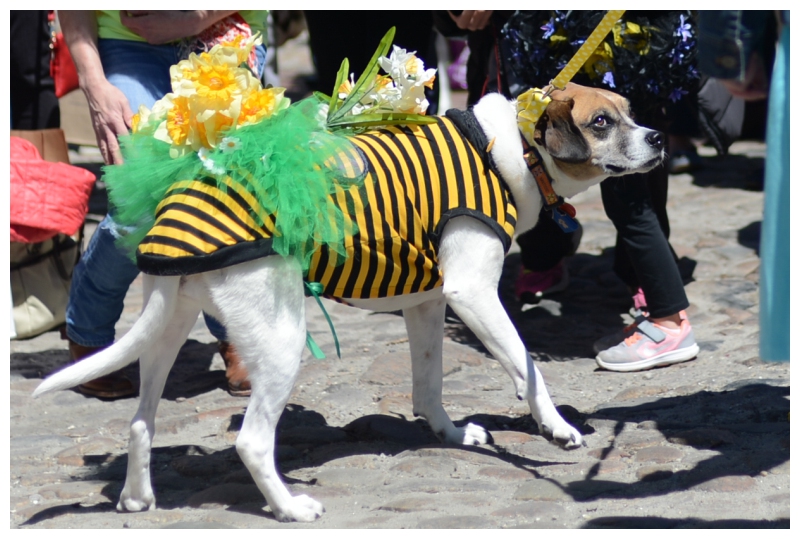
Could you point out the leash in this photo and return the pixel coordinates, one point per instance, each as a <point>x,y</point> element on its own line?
<point>531,104</point>
<point>315,289</point>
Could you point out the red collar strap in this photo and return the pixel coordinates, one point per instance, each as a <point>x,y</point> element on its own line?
<point>563,213</point>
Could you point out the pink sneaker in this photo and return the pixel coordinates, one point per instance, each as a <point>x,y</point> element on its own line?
<point>641,322</point>
<point>532,285</point>
<point>641,351</point>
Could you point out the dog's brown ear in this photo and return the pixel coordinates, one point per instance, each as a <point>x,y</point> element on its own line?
<point>559,135</point>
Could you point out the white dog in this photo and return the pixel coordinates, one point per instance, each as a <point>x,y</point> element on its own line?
<point>584,136</point>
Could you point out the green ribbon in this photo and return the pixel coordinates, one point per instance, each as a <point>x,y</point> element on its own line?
<point>315,289</point>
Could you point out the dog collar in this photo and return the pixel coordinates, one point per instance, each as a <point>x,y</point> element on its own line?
<point>562,212</point>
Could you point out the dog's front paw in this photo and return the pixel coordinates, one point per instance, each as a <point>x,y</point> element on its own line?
<point>565,435</point>
<point>470,434</point>
<point>299,508</point>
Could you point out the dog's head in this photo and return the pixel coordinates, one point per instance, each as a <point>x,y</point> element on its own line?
<point>590,134</point>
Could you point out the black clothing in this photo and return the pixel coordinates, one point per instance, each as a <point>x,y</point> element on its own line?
<point>33,99</point>
<point>355,35</point>
<point>636,204</point>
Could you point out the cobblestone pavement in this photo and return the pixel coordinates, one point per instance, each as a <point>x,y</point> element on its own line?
<point>699,444</point>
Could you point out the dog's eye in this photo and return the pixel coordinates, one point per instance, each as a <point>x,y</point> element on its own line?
<point>600,121</point>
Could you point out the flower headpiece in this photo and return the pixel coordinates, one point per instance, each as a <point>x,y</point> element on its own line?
<point>213,94</point>
<point>374,100</point>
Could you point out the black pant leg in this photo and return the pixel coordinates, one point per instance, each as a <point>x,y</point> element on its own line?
<point>543,246</point>
<point>643,256</point>
<point>33,99</point>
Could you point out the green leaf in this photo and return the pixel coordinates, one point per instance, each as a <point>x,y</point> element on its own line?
<point>341,76</point>
<point>364,82</point>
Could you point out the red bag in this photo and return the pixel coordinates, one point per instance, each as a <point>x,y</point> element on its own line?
<point>46,198</point>
<point>62,68</point>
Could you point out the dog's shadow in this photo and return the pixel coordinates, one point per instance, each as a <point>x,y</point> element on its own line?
<point>746,424</point>
<point>181,474</point>
<point>190,376</point>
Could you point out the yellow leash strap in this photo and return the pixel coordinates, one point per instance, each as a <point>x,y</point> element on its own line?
<point>531,104</point>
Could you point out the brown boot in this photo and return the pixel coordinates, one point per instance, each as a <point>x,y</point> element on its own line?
<point>235,372</point>
<point>112,386</point>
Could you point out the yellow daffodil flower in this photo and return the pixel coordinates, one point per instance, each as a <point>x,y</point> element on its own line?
<point>178,120</point>
<point>259,105</point>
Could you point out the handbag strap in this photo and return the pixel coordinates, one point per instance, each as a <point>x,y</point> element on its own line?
<point>60,243</point>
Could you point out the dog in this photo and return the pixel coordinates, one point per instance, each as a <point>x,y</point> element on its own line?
<point>584,136</point>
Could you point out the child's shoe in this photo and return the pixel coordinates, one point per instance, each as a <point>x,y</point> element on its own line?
<point>532,285</point>
<point>643,350</point>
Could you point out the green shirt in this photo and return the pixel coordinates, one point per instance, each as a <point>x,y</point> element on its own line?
<point>110,27</point>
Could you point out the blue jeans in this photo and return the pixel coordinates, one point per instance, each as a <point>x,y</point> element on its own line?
<point>102,277</point>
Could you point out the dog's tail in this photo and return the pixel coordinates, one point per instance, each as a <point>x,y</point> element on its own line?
<point>151,324</point>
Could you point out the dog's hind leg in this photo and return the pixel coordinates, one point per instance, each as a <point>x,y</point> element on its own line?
<point>425,326</point>
<point>263,308</point>
<point>471,258</point>
<point>154,366</point>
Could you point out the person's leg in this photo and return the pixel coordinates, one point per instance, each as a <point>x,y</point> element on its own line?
<point>99,284</point>
<point>666,336</point>
<point>102,277</point>
<point>542,251</point>
<point>33,99</point>
<point>545,245</point>
<point>643,258</point>
<point>104,273</point>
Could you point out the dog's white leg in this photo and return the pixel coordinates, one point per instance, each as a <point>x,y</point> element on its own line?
<point>471,258</point>
<point>425,326</point>
<point>154,366</point>
<point>262,306</point>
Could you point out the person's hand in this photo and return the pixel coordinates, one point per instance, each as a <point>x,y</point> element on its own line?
<point>472,19</point>
<point>754,87</point>
<point>159,27</point>
<point>111,117</point>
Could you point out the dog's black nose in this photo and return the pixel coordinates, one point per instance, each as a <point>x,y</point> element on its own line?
<point>655,139</point>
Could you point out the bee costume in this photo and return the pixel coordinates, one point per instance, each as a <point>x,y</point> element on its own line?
<point>358,195</point>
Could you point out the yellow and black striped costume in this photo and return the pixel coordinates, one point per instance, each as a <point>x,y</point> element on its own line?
<point>417,179</point>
